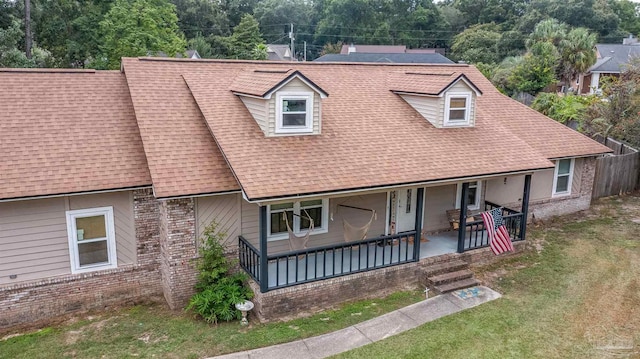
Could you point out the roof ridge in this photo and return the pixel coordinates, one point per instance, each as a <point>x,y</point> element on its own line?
<point>49,71</point>
<point>293,63</point>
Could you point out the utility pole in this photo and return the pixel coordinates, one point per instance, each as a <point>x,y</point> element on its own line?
<point>305,51</point>
<point>293,51</point>
<point>27,30</point>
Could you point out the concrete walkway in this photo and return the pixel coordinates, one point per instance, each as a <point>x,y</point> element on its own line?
<point>374,329</point>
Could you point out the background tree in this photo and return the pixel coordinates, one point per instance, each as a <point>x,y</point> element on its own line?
<point>139,28</point>
<point>246,42</point>
<point>201,18</point>
<point>478,43</point>
<point>576,54</point>
<point>537,69</point>
<point>11,55</point>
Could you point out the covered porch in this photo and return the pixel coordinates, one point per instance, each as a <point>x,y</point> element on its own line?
<point>288,268</point>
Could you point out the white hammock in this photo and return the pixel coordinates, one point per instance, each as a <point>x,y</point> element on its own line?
<point>298,242</point>
<point>353,233</point>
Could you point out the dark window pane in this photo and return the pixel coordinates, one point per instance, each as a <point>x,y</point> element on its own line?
<point>471,196</point>
<point>294,105</point>
<point>294,119</point>
<point>562,185</point>
<point>278,225</point>
<point>564,167</point>
<point>93,253</point>
<point>456,115</point>
<point>315,214</point>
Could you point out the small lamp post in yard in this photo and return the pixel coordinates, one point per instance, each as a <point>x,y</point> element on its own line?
<point>244,307</point>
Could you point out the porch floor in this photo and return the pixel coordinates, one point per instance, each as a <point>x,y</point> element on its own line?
<point>307,268</point>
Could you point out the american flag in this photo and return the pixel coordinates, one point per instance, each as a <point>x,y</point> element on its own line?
<point>499,239</point>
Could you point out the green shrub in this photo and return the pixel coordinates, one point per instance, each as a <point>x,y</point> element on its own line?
<point>218,288</point>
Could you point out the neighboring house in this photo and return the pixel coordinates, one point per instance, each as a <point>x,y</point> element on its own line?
<point>387,49</point>
<point>611,59</point>
<point>109,177</point>
<point>426,58</point>
<point>277,52</point>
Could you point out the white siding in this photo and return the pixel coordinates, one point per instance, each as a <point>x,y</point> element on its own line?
<point>335,234</point>
<point>122,203</point>
<point>510,192</point>
<point>430,108</point>
<point>259,109</point>
<point>437,201</point>
<point>461,86</point>
<point>33,234</point>
<point>33,240</point>
<point>294,86</point>
<point>225,210</point>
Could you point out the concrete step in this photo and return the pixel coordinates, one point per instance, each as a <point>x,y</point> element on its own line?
<point>453,286</point>
<point>446,267</point>
<point>450,277</point>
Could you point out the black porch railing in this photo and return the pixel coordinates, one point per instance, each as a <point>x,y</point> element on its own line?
<point>475,235</point>
<point>312,264</point>
<point>249,258</point>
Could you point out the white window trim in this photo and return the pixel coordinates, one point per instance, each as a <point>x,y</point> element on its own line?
<point>555,178</point>
<point>308,127</point>
<point>447,108</point>
<point>318,229</point>
<point>478,196</point>
<point>72,235</point>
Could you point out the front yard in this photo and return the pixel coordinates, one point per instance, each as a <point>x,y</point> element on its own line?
<point>579,297</point>
<point>576,296</point>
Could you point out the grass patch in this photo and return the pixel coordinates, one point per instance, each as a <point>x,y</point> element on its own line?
<point>578,298</point>
<point>154,331</point>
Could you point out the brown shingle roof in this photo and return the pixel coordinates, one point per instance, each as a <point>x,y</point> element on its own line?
<point>66,131</point>
<point>425,82</point>
<point>370,136</point>
<point>262,82</point>
<point>183,158</point>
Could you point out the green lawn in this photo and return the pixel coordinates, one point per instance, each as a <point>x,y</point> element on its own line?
<point>155,332</point>
<point>578,298</point>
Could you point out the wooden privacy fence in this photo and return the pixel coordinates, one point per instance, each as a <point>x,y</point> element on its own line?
<point>618,172</point>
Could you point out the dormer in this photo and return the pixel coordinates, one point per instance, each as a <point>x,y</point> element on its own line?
<point>282,102</point>
<point>446,99</point>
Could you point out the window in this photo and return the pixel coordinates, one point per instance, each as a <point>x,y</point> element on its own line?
<point>317,209</point>
<point>563,177</point>
<point>294,112</point>
<point>92,241</point>
<point>457,109</point>
<point>473,195</point>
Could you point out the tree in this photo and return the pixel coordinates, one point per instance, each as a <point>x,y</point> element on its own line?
<point>245,42</point>
<point>138,28</point>
<point>576,54</point>
<point>478,43</point>
<point>619,115</point>
<point>537,70</point>
<point>274,17</point>
<point>201,17</point>
<point>627,12</point>
<point>12,56</point>
<point>200,44</point>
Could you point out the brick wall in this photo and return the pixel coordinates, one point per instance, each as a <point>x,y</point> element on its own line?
<point>578,201</point>
<point>305,299</point>
<point>178,250</point>
<point>36,302</point>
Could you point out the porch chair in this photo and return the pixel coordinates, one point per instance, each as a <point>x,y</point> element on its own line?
<point>297,243</point>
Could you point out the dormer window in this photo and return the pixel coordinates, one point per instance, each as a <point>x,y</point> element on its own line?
<point>457,109</point>
<point>294,113</point>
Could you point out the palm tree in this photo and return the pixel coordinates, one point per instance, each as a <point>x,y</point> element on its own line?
<point>577,53</point>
